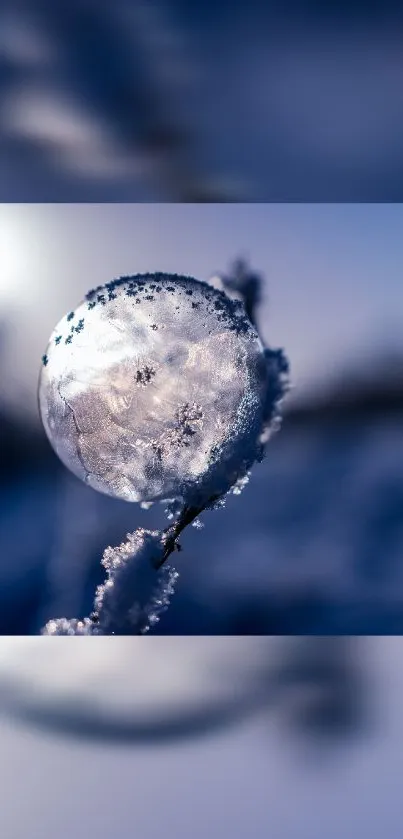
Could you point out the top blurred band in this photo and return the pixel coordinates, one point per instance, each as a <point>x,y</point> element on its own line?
<point>179,101</point>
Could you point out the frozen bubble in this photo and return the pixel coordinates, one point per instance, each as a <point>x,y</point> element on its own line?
<point>155,388</point>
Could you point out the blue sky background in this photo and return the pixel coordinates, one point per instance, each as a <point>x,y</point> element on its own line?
<point>334,272</point>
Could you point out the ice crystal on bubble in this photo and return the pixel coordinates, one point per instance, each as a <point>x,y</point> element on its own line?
<point>156,388</point>
<point>159,390</point>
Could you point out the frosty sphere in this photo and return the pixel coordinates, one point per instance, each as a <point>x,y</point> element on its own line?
<point>153,388</point>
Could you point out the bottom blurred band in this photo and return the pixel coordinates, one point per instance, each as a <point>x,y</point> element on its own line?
<point>286,736</point>
<point>158,688</point>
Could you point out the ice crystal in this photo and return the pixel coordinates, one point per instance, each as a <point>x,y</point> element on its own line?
<point>158,390</point>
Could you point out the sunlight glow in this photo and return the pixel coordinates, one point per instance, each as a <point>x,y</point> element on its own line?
<point>14,259</point>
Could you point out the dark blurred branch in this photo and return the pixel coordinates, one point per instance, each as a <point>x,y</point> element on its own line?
<point>246,284</point>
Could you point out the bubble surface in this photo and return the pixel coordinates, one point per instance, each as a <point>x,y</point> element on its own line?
<point>154,388</point>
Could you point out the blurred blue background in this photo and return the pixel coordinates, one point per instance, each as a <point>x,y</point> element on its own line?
<point>181,101</point>
<point>314,543</point>
<point>291,737</point>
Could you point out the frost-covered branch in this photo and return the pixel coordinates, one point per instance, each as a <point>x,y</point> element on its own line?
<point>138,586</point>
<point>135,593</point>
